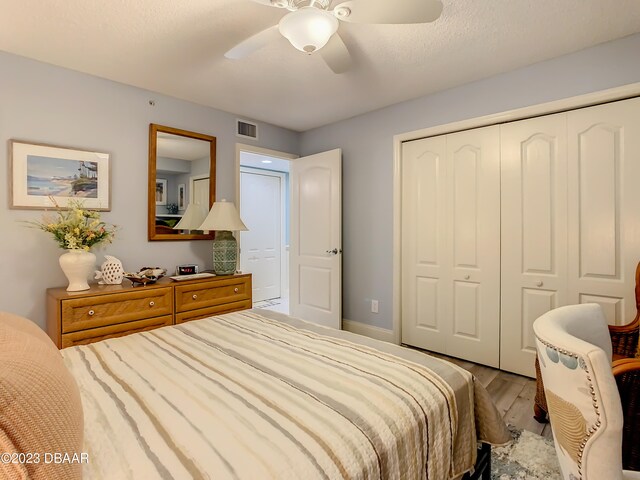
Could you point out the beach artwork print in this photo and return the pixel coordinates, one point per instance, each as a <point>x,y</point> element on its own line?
<point>62,178</point>
<point>46,176</point>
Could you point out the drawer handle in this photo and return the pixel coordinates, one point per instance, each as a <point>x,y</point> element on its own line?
<point>194,296</point>
<point>236,290</point>
<point>539,283</point>
<point>152,303</point>
<point>91,312</point>
<point>467,277</point>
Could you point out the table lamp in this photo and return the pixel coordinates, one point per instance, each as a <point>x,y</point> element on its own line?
<point>192,218</point>
<point>224,218</point>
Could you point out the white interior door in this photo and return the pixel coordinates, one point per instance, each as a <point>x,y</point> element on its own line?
<point>200,191</point>
<point>534,232</point>
<point>426,275</point>
<point>316,238</point>
<point>260,247</point>
<point>604,201</point>
<point>473,209</point>
<point>451,244</point>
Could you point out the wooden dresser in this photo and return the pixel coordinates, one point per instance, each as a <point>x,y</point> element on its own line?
<point>106,311</point>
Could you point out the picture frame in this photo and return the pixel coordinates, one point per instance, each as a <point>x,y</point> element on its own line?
<point>43,176</point>
<point>161,191</point>
<point>182,201</point>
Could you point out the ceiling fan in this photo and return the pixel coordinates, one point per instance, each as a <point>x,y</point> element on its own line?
<point>312,26</point>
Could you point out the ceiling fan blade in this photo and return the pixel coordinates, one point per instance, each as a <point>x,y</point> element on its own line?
<point>387,12</point>
<point>253,43</point>
<point>275,3</point>
<point>336,54</point>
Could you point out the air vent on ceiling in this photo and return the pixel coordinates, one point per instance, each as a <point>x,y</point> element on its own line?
<point>246,129</point>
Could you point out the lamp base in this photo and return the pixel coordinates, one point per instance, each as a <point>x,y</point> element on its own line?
<point>225,253</point>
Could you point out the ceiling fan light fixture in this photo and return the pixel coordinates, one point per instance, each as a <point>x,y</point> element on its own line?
<point>308,29</point>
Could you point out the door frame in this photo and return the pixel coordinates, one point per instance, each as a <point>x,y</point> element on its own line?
<point>283,243</point>
<point>242,147</point>
<point>556,106</point>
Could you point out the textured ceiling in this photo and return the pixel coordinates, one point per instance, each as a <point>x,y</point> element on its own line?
<point>176,48</point>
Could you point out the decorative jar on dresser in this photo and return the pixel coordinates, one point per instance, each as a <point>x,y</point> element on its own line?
<point>107,311</point>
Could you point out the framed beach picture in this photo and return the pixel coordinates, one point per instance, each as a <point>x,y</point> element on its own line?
<point>45,176</point>
<point>181,200</point>
<point>161,191</point>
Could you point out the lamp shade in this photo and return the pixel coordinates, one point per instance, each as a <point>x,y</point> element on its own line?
<point>309,28</point>
<point>193,217</point>
<point>223,216</point>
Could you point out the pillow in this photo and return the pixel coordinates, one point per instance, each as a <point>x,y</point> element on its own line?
<point>40,406</point>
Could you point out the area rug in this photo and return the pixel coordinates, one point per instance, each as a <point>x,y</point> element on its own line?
<point>529,457</point>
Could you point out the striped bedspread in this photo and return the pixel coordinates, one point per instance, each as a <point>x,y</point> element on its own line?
<point>251,396</point>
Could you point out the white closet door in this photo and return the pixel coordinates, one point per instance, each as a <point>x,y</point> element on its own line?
<point>534,232</point>
<point>451,244</point>
<point>473,238</point>
<point>426,274</point>
<point>604,206</point>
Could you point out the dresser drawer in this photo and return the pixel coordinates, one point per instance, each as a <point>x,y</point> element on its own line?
<point>212,293</point>
<point>217,310</point>
<point>112,309</point>
<point>112,331</point>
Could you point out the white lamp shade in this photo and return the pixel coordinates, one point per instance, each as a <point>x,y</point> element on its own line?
<point>309,28</point>
<point>223,216</point>
<point>193,217</point>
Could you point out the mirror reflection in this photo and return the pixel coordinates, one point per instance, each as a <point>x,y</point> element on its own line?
<point>181,182</point>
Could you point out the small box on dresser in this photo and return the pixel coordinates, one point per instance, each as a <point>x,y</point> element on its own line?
<point>107,311</point>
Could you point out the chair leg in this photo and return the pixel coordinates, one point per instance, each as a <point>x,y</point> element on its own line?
<point>539,414</point>
<point>540,400</point>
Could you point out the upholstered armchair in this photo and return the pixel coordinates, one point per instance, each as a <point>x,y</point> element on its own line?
<point>626,370</point>
<point>574,351</point>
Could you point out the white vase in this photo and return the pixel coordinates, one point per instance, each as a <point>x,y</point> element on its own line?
<point>77,265</point>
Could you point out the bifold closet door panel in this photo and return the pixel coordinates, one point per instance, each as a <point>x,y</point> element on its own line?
<point>473,239</point>
<point>534,232</point>
<point>604,206</point>
<point>426,274</point>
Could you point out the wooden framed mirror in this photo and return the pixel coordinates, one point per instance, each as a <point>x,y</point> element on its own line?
<point>182,170</point>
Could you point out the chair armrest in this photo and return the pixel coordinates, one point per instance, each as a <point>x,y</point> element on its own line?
<point>624,338</point>
<point>627,375</point>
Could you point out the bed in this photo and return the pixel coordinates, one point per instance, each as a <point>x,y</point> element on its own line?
<point>260,395</point>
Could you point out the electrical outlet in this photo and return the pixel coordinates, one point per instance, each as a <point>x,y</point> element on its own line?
<point>374,306</point>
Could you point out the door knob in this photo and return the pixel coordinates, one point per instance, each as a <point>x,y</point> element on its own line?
<point>335,251</point>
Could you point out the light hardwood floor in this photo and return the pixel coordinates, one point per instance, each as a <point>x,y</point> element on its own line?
<point>513,394</point>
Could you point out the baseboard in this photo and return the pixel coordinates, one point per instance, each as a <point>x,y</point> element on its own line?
<point>372,331</point>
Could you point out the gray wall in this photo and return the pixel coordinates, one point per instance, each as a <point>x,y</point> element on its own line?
<point>367,145</point>
<point>42,103</point>
<point>47,104</point>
